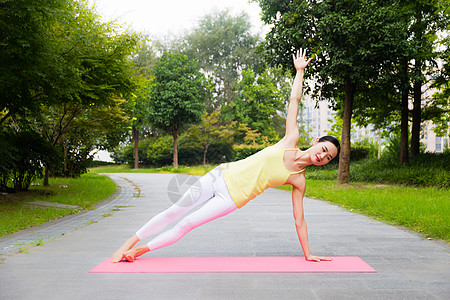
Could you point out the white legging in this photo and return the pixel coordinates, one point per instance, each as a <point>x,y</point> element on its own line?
<point>210,193</point>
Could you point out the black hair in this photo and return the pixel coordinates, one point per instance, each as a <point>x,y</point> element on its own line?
<point>333,140</point>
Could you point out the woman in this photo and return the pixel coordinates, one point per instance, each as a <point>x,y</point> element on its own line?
<point>231,186</point>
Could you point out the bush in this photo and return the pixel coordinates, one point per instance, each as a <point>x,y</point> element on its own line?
<point>220,153</point>
<point>425,170</point>
<point>244,151</point>
<point>100,163</point>
<point>158,152</point>
<point>78,160</point>
<point>22,159</point>
<point>188,156</point>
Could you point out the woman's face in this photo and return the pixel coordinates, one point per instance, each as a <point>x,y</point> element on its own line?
<point>322,153</point>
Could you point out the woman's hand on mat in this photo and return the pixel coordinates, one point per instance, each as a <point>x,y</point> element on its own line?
<point>300,61</point>
<point>318,258</point>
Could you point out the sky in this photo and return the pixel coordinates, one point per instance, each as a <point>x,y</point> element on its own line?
<point>162,17</point>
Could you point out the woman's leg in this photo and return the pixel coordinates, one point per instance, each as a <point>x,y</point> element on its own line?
<point>215,208</point>
<point>200,192</point>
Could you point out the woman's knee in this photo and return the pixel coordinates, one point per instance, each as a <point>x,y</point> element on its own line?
<point>186,225</point>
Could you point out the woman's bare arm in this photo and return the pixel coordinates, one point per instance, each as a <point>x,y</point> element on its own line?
<point>300,64</point>
<point>298,191</point>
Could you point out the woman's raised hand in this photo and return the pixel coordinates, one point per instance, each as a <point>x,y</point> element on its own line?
<point>300,61</point>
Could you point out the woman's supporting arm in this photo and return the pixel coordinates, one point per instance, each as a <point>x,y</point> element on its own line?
<point>300,224</point>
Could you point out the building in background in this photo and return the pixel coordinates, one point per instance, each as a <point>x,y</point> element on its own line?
<point>432,142</point>
<point>318,119</point>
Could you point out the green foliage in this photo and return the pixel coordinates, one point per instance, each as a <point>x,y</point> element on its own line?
<point>305,136</point>
<point>258,103</point>
<point>158,152</point>
<point>392,149</point>
<point>364,149</point>
<point>212,129</point>
<point>60,52</point>
<point>441,99</point>
<point>76,70</point>
<point>26,53</point>
<point>153,151</point>
<point>177,93</point>
<point>22,156</point>
<point>224,46</point>
<point>220,152</point>
<point>244,151</point>
<point>426,170</point>
<point>353,43</point>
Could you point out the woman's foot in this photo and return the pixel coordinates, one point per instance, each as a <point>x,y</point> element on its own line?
<point>119,254</point>
<point>131,254</point>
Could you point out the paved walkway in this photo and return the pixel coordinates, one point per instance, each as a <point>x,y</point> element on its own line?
<point>408,266</point>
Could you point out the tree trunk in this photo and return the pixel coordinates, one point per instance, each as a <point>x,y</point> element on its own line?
<point>175,147</point>
<point>66,158</point>
<point>136,147</point>
<point>379,143</point>
<point>204,154</point>
<point>344,157</point>
<point>46,176</point>
<point>404,128</point>
<point>416,115</point>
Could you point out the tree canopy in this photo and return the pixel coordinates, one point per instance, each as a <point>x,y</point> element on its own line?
<point>353,43</point>
<point>62,66</point>
<point>223,45</point>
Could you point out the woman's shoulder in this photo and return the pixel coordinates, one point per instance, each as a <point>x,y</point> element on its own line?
<point>287,143</point>
<point>298,181</point>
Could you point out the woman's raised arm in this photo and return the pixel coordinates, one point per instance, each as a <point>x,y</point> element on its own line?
<point>300,64</point>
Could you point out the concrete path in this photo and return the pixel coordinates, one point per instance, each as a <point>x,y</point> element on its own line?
<point>408,266</point>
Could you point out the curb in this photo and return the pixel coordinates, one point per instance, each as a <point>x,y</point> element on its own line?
<point>37,235</point>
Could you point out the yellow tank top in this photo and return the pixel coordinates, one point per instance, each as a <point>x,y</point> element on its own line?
<point>249,177</point>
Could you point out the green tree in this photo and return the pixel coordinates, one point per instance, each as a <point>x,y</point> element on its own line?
<point>22,155</point>
<point>177,95</point>
<point>96,127</point>
<point>352,42</point>
<point>258,103</point>
<point>224,46</point>
<point>138,105</point>
<point>95,66</point>
<point>26,54</point>
<point>427,20</point>
<point>212,129</point>
<point>407,76</point>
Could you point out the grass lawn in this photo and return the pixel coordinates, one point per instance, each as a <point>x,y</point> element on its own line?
<point>85,192</point>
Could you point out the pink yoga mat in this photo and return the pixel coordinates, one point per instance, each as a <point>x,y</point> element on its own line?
<point>251,264</point>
